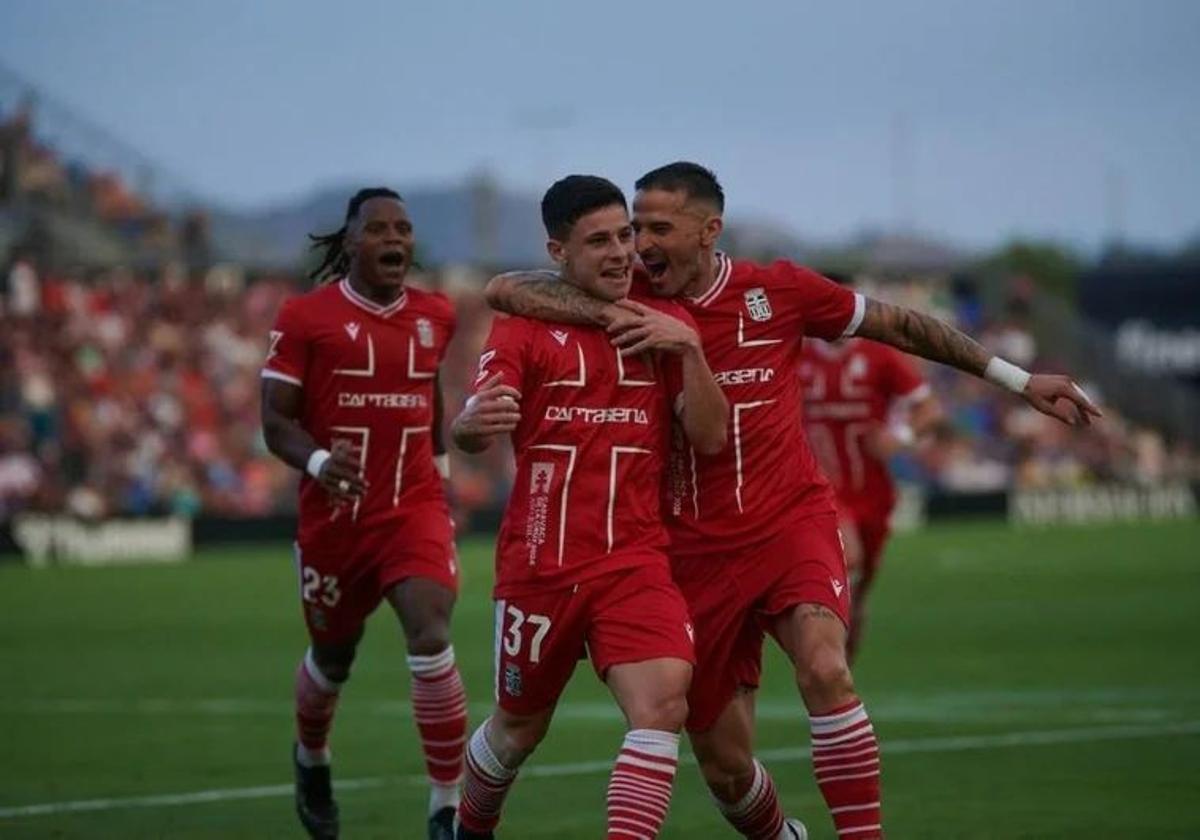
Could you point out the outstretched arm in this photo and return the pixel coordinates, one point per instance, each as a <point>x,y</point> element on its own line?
<point>541,295</point>
<point>925,336</point>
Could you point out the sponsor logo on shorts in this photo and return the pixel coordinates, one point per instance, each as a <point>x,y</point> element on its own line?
<point>512,679</point>
<point>690,630</point>
<point>317,616</point>
<point>837,585</point>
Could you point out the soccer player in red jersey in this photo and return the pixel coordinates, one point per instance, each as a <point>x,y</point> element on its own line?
<point>350,397</point>
<point>754,540</point>
<point>581,567</point>
<point>863,401</point>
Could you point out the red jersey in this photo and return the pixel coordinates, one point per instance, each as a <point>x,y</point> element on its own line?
<point>850,388</point>
<point>752,323</point>
<point>590,450</point>
<point>368,373</point>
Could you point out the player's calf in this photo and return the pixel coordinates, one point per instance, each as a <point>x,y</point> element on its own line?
<point>494,754</point>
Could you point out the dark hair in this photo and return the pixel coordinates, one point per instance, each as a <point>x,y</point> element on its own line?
<point>570,199</point>
<point>336,261</point>
<point>690,178</point>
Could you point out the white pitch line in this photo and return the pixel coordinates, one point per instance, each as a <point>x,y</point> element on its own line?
<point>894,746</point>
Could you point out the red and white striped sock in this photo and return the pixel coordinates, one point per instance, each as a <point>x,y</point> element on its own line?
<point>485,784</point>
<point>639,790</point>
<point>316,701</point>
<point>757,814</point>
<point>846,764</point>
<point>440,710</point>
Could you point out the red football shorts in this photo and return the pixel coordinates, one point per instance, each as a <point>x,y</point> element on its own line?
<point>732,595</point>
<point>872,527</point>
<point>345,572</point>
<point>630,615</point>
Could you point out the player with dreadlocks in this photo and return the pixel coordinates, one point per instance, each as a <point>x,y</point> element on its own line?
<point>350,397</point>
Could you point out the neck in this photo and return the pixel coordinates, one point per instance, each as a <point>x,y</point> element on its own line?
<point>705,276</point>
<point>382,295</point>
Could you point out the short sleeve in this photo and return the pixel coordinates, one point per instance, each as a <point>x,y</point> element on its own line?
<point>903,381</point>
<point>503,353</point>
<point>290,347</point>
<point>829,310</point>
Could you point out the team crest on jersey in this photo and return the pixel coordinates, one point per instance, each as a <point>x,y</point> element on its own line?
<point>560,336</point>
<point>757,304</point>
<point>424,332</point>
<point>352,330</point>
<point>512,679</point>
<point>541,474</point>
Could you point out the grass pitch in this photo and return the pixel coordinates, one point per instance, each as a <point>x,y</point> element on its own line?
<point>1024,684</point>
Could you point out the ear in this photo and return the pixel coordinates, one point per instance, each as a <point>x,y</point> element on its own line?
<point>557,251</point>
<point>710,231</point>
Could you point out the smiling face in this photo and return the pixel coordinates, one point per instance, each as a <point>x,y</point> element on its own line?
<point>675,237</point>
<point>380,244</point>
<point>597,254</point>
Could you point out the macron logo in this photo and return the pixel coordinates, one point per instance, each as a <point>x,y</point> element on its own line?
<point>352,330</point>
<point>560,336</point>
<point>837,587</point>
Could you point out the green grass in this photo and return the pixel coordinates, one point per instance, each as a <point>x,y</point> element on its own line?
<point>159,680</point>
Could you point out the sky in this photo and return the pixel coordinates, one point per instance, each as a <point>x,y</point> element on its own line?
<point>972,121</point>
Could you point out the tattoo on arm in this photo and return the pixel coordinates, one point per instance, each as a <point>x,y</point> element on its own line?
<point>922,335</point>
<point>542,296</point>
<point>817,611</point>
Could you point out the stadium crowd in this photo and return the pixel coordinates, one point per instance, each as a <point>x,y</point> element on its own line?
<point>127,394</point>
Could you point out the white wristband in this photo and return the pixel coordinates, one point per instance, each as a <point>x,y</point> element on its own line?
<point>441,463</point>
<point>316,461</point>
<point>903,433</point>
<point>1006,375</point>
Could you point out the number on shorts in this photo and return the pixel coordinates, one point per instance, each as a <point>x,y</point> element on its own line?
<point>513,635</point>
<point>314,587</point>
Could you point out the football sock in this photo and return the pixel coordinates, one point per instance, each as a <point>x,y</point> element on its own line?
<point>440,710</point>
<point>485,784</point>
<point>757,814</point>
<point>316,700</point>
<point>846,763</point>
<point>639,790</point>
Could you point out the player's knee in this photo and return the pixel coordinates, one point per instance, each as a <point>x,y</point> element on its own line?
<point>824,671</point>
<point>334,663</point>
<point>667,712</point>
<point>514,739</point>
<point>429,640</point>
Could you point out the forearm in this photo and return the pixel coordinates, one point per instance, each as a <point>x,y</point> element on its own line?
<point>705,409</point>
<point>288,441</point>
<point>924,336</point>
<point>542,296</point>
<point>439,414</point>
<point>471,444</point>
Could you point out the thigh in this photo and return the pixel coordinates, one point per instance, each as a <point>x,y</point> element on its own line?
<point>337,593</point>
<point>540,636</point>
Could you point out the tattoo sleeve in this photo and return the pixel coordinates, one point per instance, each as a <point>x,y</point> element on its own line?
<point>543,296</point>
<point>922,335</point>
